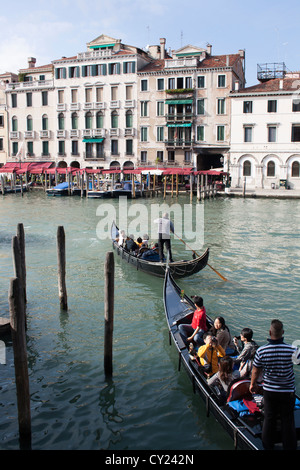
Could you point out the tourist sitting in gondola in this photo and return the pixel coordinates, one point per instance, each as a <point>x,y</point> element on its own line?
<point>210,353</point>
<point>222,379</point>
<point>122,237</point>
<point>151,254</point>
<point>139,242</point>
<point>222,333</point>
<point>196,329</point>
<point>145,239</point>
<point>130,244</point>
<point>249,347</point>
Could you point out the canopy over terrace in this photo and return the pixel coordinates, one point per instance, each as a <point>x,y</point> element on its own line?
<point>25,167</point>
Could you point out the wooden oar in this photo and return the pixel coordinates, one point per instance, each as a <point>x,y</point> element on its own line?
<point>222,277</point>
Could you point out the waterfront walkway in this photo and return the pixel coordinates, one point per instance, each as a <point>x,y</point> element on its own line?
<point>266,193</point>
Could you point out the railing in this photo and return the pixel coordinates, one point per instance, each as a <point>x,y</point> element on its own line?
<point>173,63</point>
<point>91,156</point>
<point>32,84</point>
<point>179,142</point>
<point>179,117</point>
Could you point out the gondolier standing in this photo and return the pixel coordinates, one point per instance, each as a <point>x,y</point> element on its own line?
<point>165,226</point>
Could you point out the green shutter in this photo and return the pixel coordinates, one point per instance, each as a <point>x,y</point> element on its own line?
<point>94,70</point>
<point>83,70</point>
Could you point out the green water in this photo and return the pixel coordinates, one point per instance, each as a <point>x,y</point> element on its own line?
<point>148,404</point>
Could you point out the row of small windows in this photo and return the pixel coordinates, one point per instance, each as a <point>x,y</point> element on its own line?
<point>271,106</point>
<point>271,168</point>
<point>272,133</point>
<point>182,83</point>
<point>94,70</point>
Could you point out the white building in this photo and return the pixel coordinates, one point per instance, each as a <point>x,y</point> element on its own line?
<point>265,134</point>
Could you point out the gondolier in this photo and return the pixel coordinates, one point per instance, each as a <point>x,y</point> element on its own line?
<point>165,226</point>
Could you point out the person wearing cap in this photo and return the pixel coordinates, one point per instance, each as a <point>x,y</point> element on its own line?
<point>194,331</point>
<point>165,226</point>
<point>130,244</point>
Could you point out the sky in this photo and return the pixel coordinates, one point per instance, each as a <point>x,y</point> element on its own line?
<point>267,30</point>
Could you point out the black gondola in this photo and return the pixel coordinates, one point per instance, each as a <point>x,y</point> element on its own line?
<point>244,430</point>
<point>156,268</point>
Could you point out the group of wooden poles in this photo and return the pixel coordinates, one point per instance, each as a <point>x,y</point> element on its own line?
<point>17,298</point>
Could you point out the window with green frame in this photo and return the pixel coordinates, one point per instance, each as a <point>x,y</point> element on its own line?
<point>74,120</point>
<point>144,134</point>
<point>61,147</point>
<point>61,121</point>
<point>114,120</point>
<point>45,122</point>
<point>220,133</point>
<point>99,120</point>
<point>129,119</point>
<point>45,147</point>
<point>129,146</point>
<point>15,146</point>
<point>200,133</point>
<point>200,107</point>
<point>88,120</point>
<point>14,123</point>
<point>160,134</point>
<point>30,148</point>
<point>29,123</point>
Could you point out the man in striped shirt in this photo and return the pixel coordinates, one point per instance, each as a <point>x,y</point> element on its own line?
<point>275,360</point>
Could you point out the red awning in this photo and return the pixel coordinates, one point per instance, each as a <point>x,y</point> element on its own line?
<point>210,172</point>
<point>9,167</point>
<point>37,168</point>
<point>132,171</point>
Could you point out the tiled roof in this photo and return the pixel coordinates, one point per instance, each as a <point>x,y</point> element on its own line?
<point>210,62</point>
<point>274,85</point>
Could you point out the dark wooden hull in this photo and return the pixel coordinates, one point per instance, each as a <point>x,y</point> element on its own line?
<point>178,269</point>
<point>246,431</point>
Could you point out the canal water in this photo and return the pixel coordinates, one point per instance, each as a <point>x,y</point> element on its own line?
<point>148,404</point>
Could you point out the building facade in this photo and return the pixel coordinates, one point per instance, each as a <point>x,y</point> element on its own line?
<point>265,134</point>
<point>5,78</point>
<point>116,105</point>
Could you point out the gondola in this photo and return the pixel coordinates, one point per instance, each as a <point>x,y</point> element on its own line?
<point>245,430</point>
<point>156,268</point>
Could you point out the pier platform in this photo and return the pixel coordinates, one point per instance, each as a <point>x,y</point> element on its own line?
<point>281,193</point>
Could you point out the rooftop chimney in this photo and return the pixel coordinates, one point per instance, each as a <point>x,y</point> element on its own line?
<point>209,48</point>
<point>31,62</point>
<point>162,47</point>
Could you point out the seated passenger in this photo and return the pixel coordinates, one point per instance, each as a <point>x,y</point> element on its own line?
<point>222,333</point>
<point>210,353</point>
<point>145,240</point>
<point>196,329</point>
<point>142,250</point>
<point>139,242</point>
<point>155,248</point>
<point>249,347</point>
<point>130,244</point>
<point>122,238</point>
<point>225,375</point>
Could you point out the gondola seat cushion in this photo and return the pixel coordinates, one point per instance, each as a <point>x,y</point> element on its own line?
<point>239,390</point>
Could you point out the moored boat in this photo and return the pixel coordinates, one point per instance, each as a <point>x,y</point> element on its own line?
<point>178,269</point>
<point>124,188</point>
<point>244,428</point>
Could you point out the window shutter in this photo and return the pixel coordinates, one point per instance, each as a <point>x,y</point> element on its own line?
<point>84,70</point>
<point>94,70</point>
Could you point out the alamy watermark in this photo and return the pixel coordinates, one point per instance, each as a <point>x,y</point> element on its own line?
<point>139,219</point>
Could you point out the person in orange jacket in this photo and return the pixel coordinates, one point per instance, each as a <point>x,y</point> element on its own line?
<point>209,353</point>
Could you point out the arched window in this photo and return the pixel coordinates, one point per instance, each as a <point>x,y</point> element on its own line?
<point>247,168</point>
<point>99,120</point>
<point>74,119</point>
<point>271,168</point>
<point>129,119</point>
<point>29,123</point>
<point>14,123</point>
<point>61,121</point>
<point>295,169</point>
<point>45,122</point>
<point>114,119</point>
<point>88,120</point>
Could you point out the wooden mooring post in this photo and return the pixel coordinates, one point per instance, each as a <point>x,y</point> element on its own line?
<point>17,321</point>
<point>61,259</point>
<point>21,239</point>
<point>109,271</point>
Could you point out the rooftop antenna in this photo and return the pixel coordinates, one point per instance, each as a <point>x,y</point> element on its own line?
<point>181,37</point>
